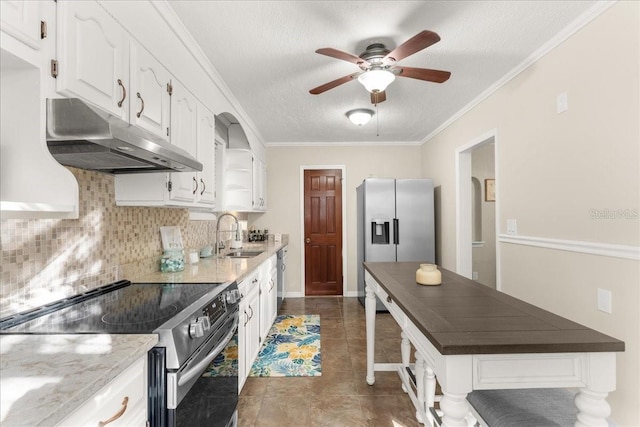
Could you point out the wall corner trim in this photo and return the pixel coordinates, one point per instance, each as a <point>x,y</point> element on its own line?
<point>592,248</point>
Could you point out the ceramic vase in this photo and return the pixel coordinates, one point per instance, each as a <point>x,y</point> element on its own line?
<point>428,274</point>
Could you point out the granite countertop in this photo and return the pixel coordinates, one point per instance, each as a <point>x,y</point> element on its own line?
<point>44,378</point>
<point>218,269</point>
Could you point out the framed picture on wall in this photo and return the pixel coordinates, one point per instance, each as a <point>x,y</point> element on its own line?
<point>489,190</point>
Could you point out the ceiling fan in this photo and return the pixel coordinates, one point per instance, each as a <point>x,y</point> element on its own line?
<point>378,69</point>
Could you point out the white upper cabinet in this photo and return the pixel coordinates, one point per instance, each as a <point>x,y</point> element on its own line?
<point>150,99</point>
<point>93,57</point>
<point>184,128</point>
<point>32,183</point>
<point>192,129</point>
<point>259,202</point>
<point>245,181</point>
<point>21,19</point>
<point>206,154</point>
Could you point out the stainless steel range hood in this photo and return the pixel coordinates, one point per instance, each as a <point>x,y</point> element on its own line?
<point>82,136</point>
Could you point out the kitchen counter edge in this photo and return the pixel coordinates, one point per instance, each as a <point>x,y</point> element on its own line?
<point>45,378</point>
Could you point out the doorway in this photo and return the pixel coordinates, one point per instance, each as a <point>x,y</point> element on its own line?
<point>323,231</point>
<point>477,222</point>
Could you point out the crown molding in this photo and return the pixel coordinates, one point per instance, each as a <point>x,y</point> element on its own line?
<point>182,33</point>
<point>558,39</point>
<point>346,144</point>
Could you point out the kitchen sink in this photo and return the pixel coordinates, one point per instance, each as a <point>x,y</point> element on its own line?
<point>243,254</point>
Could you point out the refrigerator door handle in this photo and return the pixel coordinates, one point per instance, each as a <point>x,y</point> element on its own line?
<point>396,231</point>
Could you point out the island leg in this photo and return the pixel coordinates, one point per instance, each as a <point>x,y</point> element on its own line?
<point>455,408</point>
<point>420,385</point>
<point>405,351</point>
<point>430,392</point>
<point>593,408</point>
<point>370,313</point>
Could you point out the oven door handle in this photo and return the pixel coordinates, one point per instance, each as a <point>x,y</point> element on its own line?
<point>199,367</point>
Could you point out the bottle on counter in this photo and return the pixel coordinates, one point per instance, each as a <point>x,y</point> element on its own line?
<point>172,261</point>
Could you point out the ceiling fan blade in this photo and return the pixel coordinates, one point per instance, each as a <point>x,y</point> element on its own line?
<point>436,76</point>
<point>337,82</point>
<point>416,43</point>
<point>378,97</point>
<point>345,56</point>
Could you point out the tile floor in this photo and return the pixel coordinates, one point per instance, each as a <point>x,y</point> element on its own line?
<point>341,396</point>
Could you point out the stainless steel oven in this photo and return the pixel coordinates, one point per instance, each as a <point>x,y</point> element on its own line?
<point>194,324</point>
<point>179,393</point>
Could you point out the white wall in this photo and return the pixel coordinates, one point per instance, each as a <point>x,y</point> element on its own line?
<point>558,174</point>
<point>284,211</point>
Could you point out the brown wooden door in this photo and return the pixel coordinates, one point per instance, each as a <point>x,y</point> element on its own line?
<point>323,231</point>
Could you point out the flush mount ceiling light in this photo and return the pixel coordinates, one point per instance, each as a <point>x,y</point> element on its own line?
<point>376,80</point>
<point>360,116</point>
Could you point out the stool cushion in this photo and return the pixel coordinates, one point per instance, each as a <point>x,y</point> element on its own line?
<point>534,407</point>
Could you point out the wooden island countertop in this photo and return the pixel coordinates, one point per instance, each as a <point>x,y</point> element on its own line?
<point>461,316</point>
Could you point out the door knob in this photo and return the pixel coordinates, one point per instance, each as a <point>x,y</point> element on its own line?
<point>307,240</point>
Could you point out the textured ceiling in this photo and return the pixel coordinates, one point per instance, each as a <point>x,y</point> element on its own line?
<point>265,53</point>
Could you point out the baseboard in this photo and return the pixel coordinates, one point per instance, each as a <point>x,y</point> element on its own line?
<point>349,294</point>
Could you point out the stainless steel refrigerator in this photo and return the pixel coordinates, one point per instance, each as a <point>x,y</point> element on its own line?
<point>395,223</point>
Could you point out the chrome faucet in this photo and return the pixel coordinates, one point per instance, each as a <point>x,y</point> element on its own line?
<point>219,244</point>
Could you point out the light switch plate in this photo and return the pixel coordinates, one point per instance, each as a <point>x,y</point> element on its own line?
<point>562,102</point>
<point>604,300</point>
<point>512,227</point>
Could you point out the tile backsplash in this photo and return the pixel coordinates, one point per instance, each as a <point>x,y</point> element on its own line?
<point>45,260</point>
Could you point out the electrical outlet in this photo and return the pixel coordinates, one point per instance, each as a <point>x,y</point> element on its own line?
<point>604,300</point>
<point>512,227</point>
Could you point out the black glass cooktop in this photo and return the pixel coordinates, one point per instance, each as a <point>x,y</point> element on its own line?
<point>120,307</point>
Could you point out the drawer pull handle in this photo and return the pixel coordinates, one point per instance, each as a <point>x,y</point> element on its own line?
<point>125,402</point>
<point>124,93</point>
<point>389,300</point>
<point>139,113</point>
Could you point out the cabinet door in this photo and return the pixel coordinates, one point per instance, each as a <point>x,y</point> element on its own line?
<point>183,132</point>
<point>149,95</point>
<point>259,185</point>
<point>93,56</point>
<point>253,328</point>
<point>21,19</point>
<point>206,155</point>
<point>273,296</point>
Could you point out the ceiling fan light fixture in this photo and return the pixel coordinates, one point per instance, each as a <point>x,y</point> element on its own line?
<point>360,116</point>
<point>376,80</point>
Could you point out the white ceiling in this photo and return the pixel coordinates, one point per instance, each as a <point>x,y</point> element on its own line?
<point>265,53</point>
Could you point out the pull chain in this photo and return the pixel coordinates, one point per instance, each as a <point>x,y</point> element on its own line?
<point>377,121</point>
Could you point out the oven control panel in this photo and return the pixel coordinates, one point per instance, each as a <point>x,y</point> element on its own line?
<point>207,317</point>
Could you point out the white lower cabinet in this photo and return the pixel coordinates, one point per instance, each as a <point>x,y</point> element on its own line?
<point>249,327</point>
<point>257,313</point>
<point>268,296</point>
<point>122,402</point>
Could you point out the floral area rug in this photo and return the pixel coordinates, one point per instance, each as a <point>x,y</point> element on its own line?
<point>291,349</point>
